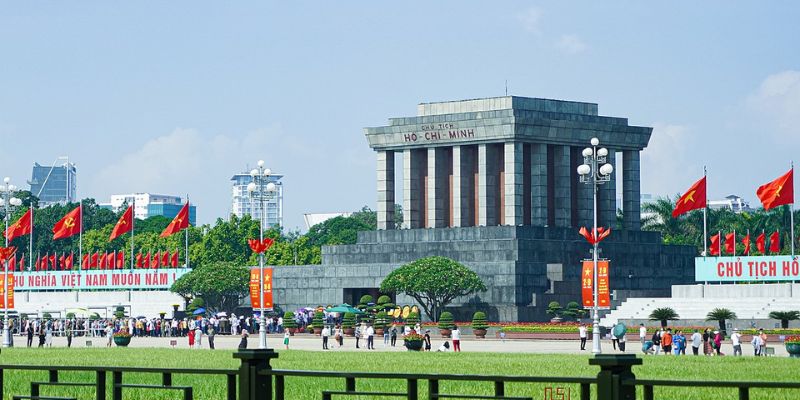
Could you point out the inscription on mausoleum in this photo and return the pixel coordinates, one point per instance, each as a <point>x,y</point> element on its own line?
<point>438,132</point>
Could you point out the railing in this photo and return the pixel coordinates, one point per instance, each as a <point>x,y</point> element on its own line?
<point>255,379</point>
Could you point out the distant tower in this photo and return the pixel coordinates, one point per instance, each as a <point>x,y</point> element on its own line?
<point>54,184</point>
<point>242,205</point>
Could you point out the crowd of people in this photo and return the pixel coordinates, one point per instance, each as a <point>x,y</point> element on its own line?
<point>364,334</point>
<point>668,342</point>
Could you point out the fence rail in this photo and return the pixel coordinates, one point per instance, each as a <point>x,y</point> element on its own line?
<point>255,379</point>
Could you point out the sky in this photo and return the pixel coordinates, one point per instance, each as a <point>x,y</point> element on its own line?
<point>176,97</point>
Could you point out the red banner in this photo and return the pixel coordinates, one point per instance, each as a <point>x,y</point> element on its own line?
<point>587,289</point>
<point>10,291</point>
<point>255,284</point>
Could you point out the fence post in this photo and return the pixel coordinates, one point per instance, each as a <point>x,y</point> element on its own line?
<point>253,385</point>
<point>614,368</point>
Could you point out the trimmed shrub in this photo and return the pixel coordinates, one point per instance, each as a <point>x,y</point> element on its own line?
<point>349,320</point>
<point>413,319</point>
<point>446,320</point>
<point>319,319</point>
<point>479,320</point>
<point>381,320</point>
<point>365,299</point>
<point>384,300</point>
<point>288,320</point>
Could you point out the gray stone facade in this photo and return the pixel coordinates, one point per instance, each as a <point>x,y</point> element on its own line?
<point>492,183</point>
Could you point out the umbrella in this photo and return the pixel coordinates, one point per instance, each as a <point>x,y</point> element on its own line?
<point>222,314</point>
<point>199,311</point>
<point>82,313</point>
<point>141,317</point>
<point>345,308</point>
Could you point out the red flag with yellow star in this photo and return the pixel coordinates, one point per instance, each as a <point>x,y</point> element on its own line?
<point>69,225</point>
<point>21,227</point>
<point>178,224</point>
<point>778,192</point>
<point>693,199</point>
<point>124,225</point>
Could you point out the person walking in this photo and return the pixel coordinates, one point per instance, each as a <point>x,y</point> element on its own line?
<point>756,342</point>
<point>697,341</point>
<point>656,339</point>
<point>622,340</point>
<point>68,332</point>
<point>190,336</point>
<point>211,332</point>
<point>286,339</point>
<point>455,334</point>
<point>736,341</point>
<point>243,341</point>
<point>325,333</point>
<point>109,334</point>
<point>762,343</point>
<point>385,336</point>
<point>582,335</point>
<point>642,333</point>
<point>357,334</point>
<point>370,337</point>
<point>48,334</point>
<point>198,335</point>
<point>666,342</point>
<point>427,339</point>
<point>707,341</point>
<point>394,335</point>
<point>718,342</point>
<point>29,331</point>
<point>338,334</point>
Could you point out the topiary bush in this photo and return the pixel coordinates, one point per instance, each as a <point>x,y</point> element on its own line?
<point>479,320</point>
<point>70,315</point>
<point>365,299</point>
<point>349,320</point>
<point>288,320</point>
<point>381,320</point>
<point>446,320</point>
<point>319,319</point>
<point>47,315</point>
<point>384,299</point>
<point>413,319</point>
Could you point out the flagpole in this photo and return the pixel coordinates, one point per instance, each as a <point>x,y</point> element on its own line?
<point>187,230</point>
<point>30,262</point>
<point>734,242</point>
<point>705,224</point>
<point>791,211</point>
<point>133,224</point>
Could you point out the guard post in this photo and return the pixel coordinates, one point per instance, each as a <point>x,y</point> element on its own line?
<point>253,384</point>
<point>614,368</point>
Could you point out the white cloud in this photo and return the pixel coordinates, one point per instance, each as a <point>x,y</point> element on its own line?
<point>778,99</point>
<point>666,164</point>
<point>531,19</point>
<point>570,44</point>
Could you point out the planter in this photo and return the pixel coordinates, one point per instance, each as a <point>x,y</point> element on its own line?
<point>479,333</point>
<point>793,349</point>
<point>317,331</point>
<point>379,332</point>
<point>350,332</point>
<point>291,331</point>
<point>445,332</point>
<point>414,345</point>
<point>122,341</point>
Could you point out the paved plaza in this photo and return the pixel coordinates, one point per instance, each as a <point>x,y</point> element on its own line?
<point>306,342</point>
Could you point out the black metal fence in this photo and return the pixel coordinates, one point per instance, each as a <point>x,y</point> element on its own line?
<point>255,379</point>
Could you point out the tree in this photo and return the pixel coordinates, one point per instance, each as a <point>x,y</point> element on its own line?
<point>554,309</point>
<point>434,282</point>
<point>220,284</point>
<point>574,310</point>
<point>721,315</point>
<point>664,314</point>
<point>785,317</point>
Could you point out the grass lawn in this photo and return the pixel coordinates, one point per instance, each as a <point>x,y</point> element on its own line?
<point>674,368</point>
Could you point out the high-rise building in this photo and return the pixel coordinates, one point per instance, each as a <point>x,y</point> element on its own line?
<point>242,204</point>
<point>54,184</point>
<point>148,205</point>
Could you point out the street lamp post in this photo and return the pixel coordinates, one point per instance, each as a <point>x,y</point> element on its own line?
<point>8,202</point>
<point>595,171</point>
<point>261,189</point>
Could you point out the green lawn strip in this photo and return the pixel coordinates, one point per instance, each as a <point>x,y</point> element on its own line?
<point>207,387</point>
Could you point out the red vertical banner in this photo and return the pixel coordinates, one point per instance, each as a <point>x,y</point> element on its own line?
<point>603,290</point>
<point>255,278</point>
<point>10,291</point>
<point>587,280</point>
<point>255,284</point>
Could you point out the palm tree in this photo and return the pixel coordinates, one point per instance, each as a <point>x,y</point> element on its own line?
<point>664,314</point>
<point>785,317</point>
<point>721,315</point>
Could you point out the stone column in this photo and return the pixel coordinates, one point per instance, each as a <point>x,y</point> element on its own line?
<point>412,190</point>
<point>607,196</point>
<point>463,186</point>
<point>513,183</point>
<point>538,184</point>
<point>438,187</point>
<point>562,166</point>
<point>385,170</point>
<point>631,195</point>
<point>487,185</point>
